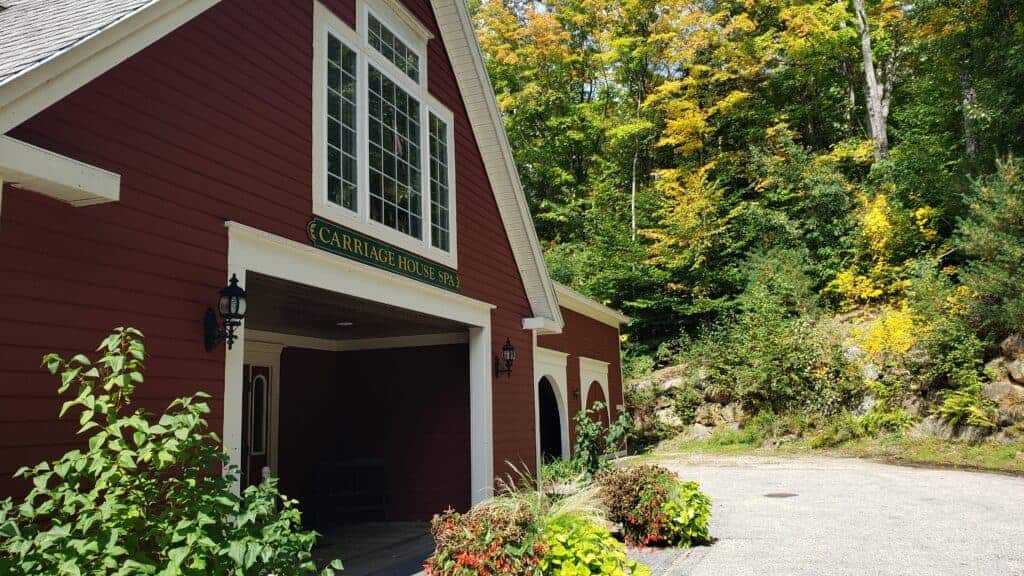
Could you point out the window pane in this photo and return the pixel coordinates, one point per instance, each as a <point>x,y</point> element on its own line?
<point>395,161</point>
<point>385,42</point>
<point>342,179</point>
<point>258,442</point>
<point>439,202</point>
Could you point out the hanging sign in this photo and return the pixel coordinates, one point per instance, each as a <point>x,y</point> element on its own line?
<point>351,244</point>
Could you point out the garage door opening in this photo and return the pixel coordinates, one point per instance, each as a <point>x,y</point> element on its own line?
<point>369,421</point>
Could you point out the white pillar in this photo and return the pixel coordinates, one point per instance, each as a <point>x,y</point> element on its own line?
<point>481,431</point>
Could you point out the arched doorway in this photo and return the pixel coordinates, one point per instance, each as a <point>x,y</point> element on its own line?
<point>550,424</point>
<point>595,394</point>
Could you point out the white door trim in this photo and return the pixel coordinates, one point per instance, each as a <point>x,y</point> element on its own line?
<point>253,250</point>
<point>551,364</point>
<point>591,371</point>
<point>269,354</point>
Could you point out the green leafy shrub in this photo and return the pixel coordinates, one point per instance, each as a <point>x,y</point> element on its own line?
<point>654,506</point>
<point>144,497</point>
<point>774,354</point>
<point>499,537</point>
<point>686,400</point>
<point>841,429</point>
<point>992,239</point>
<point>886,419</point>
<point>595,442</point>
<point>967,406</point>
<point>561,470</point>
<point>576,546</point>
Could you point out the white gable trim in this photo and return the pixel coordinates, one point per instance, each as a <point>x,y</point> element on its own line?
<point>41,85</point>
<point>460,41</point>
<point>65,179</point>
<point>573,300</point>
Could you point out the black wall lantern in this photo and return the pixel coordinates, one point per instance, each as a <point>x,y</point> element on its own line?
<point>503,363</point>
<point>232,309</point>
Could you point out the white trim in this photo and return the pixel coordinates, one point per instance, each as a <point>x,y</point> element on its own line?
<point>591,371</point>
<point>410,24</point>
<point>314,343</point>
<point>36,88</point>
<point>573,300</point>
<point>252,250</point>
<point>66,179</point>
<point>542,325</point>
<point>269,354</point>
<point>266,415</point>
<point>326,22</point>
<point>456,26</point>
<point>552,364</point>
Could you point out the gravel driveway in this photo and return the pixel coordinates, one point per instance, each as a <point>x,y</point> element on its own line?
<point>827,516</point>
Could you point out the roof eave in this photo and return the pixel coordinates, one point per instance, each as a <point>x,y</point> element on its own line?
<point>23,95</point>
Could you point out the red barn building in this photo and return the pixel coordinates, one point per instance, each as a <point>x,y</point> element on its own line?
<point>346,160</point>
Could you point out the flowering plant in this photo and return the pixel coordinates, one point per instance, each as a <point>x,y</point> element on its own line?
<point>500,537</point>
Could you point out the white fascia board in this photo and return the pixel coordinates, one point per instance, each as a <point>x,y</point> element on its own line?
<point>573,300</point>
<point>25,94</point>
<point>66,179</point>
<point>542,325</point>
<point>456,26</point>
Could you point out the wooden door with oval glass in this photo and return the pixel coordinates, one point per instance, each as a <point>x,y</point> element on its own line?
<point>255,419</point>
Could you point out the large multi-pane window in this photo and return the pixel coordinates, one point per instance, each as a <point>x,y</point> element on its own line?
<point>387,161</point>
<point>395,198</point>
<point>439,201</point>
<point>342,177</point>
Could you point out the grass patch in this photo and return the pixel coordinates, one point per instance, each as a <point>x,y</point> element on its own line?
<point>892,448</point>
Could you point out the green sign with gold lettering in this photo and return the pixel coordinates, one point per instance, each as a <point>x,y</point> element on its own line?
<point>344,242</point>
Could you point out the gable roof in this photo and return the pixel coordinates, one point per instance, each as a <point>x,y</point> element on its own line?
<point>56,46</point>
<point>32,31</point>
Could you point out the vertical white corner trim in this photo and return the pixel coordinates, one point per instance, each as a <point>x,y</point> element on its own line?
<point>551,364</point>
<point>253,250</point>
<point>593,371</point>
<point>269,354</point>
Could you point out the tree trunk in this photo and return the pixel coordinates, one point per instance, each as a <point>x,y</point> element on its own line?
<point>968,102</point>
<point>632,200</point>
<point>877,92</point>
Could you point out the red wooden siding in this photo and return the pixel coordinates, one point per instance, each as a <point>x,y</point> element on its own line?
<point>211,123</point>
<point>586,337</point>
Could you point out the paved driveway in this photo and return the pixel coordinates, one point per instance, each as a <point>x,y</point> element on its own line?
<point>851,517</point>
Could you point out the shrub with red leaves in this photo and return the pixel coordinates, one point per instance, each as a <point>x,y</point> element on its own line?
<point>655,507</point>
<point>494,539</point>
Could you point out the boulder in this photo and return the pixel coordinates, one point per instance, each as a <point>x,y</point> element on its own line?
<point>733,413</point>
<point>709,415</point>
<point>996,368</point>
<point>701,432</point>
<point>1009,399</point>
<point>915,405</point>
<point>1013,346</point>
<point>971,434</point>
<point>870,372</point>
<point>669,417</point>
<point>865,406</point>
<point>1015,369</point>
<point>671,383</point>
<point>718,395</point>
<point>933,426</point>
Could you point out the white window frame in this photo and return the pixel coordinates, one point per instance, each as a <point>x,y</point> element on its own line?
<point>401,23</point>
<point>264,416</point>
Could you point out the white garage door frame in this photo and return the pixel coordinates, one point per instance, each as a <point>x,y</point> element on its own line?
<point>254,250</point>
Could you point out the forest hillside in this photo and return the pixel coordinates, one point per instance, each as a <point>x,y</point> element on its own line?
<point>807,206</point>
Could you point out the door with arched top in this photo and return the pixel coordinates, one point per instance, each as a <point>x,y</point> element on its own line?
<point>550,424</point>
